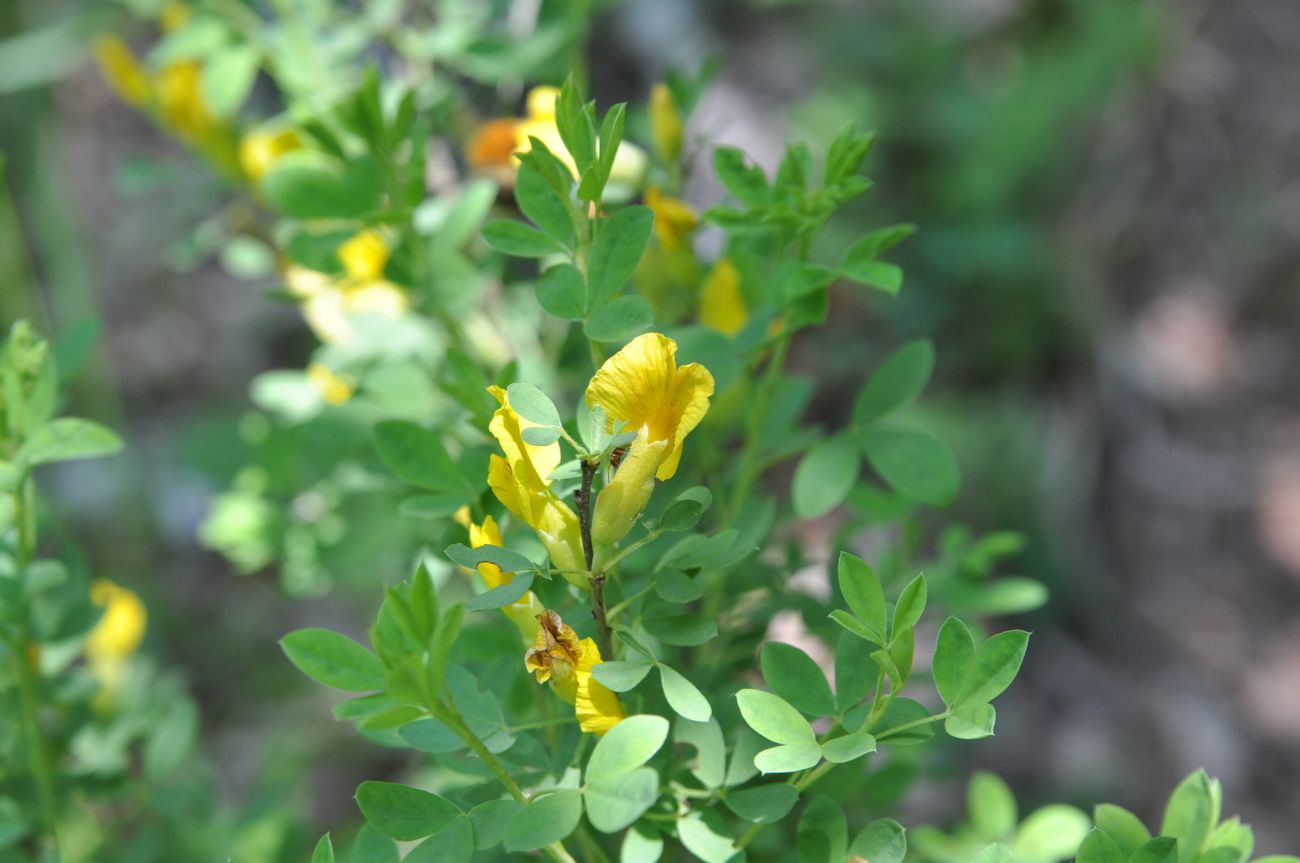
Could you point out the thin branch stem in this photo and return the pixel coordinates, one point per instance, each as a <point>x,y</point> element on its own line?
<point>756,417</point>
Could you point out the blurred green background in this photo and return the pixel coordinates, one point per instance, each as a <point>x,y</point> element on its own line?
<point>1108,197</point>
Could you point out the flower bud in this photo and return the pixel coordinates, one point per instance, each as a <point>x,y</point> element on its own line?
<point>621,502</point>
<point>666,125</point>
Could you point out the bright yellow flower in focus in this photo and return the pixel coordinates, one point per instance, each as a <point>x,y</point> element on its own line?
<point>334,388</point>
<point>524,610</point>
<point>675,220</point>
<point>260,150</point>
<point>559,658</point>
<point>642,386</point>
<point>117,635</point>
<point>722,305</point>
<point>521,481</point>
<point>666,125</point>
<point>126,76</point>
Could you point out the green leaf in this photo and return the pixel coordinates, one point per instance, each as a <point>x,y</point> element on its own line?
<point>1190,816</point>
<point>704,835</point>
<point>849,747</point>
<point>794,676</point>
<point>615,802</point>
<point>532,404</point>
<point>508,561</point>
<point>1233,836</point>
<point>1123,826</point>
<point>677,586</point>
<point>311,185</point>
<point>911,604</point>
<point>883,841</point>
<point>627,746</point>
<point>971,721</point>
<point>416,455</point>
<point>686,509</point>
<point>371,846</point>
<point>856,627</point>
<point>324,852</point>
<point>499,597</point>
<point>1051,833</point>
<point>899,380</point>
<point>825,476</point>
<point>334,660</point>
<point>1163,849</point>
<point>489,821</point>
<point>994,667</point>
<point>574,125</point>
<point>788,758</point>
<point>823,833</point>
<point>992,807</point>
<point>228,78</point>
<point>641,844</point>
<point>953,653</point>
<point>863,593</point>
<point>66,439</point>
<point>745,182</point>
<point>539,436</point>
<point>774,718</point>
<point>764,804</point>
<point>997,853</point>
<point>844,158</point>
<point>1098,847</point>
<point>520,240</point>
<point>621,676</point>
<point>710,763</point>
<point>855,672</point>
<point>619,320</point>
<point>453,844</point>
<point>404,813</point>
<point>683,697</point>
<point>562,292</point>
<point>544,820</point>
<point>539,201</point>
<point>874,274</point>
<point>681,630</point>
<point>621,241</point>
<point>915,463</point>
<point>904,711</point>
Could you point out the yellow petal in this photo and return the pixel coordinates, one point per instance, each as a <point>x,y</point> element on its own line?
<point>334,388</point>
<point>364,256</point>
<point>181,104</point>
<point>120,630</point>
<point>642,386</point>
<point>523,613</point>
<point>508,428</point>
<point>488,534</point>
<point>260,150</point>
<point>666,125</point>
<point>125,75</point>
<point>675,220</point>
<point>541,102</point>
<point>722,305</point>
<point>555,655</point>
<point>598,709</point>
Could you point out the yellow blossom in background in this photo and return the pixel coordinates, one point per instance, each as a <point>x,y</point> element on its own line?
<point>364,256</point>
<point>125,75</point>
<point>182,108</point>
<point>643,387</point>
<point>117,635</point>
<point>666,125</point>
<point>524,610</point>
<point>675,220</point>
<point>722,305</point>
<point>559,658</point>
<point>520,480</point>
<point>259,150</point>
<point>334,388</point>
<point>174,16</point>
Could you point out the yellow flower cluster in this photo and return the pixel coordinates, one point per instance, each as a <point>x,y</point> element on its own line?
<point>329,302</point>
<point>559,658</point>
<point>117,635</point>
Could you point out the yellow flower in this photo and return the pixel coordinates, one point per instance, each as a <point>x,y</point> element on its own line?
<point>675,220</point>
<point>364,256</point>
<point>621,502</point>
<point>125,75</point>
<point>181,105</point>
<point>642,386</point>
<point>524,610</point>
<point>520,480</point>
<point>334,388</point>
<point>666,125</point>
<point>174,16</point>
<point>722,305</point>
<point>559,658</point>
<point>260,150</point>
<point>328,304</point>
<point>118,633</point>
<point>598,708</point>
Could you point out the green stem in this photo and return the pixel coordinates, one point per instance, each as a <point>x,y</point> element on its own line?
<point>926,720</point>
<point>757,416</point>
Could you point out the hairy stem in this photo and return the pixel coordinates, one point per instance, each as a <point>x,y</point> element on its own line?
<point>582,498</point>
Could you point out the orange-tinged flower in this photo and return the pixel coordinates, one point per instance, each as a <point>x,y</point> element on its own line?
<point>643,387</point>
